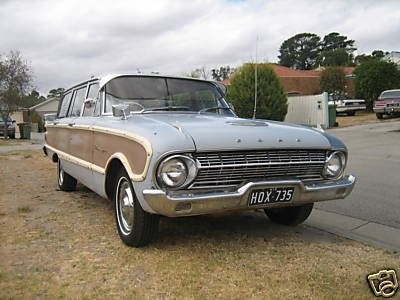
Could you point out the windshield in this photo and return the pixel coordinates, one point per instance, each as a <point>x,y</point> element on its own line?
<point>155,94</point>
<point>390,94</point>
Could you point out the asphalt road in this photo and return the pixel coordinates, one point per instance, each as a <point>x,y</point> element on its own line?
<point>374,151</point>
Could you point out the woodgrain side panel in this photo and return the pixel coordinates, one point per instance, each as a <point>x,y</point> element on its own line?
<point>105,145</point>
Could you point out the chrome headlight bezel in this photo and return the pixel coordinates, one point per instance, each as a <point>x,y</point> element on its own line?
<point>168,170</point>
<point>335,165</point>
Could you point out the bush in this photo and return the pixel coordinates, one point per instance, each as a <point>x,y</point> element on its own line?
<point>271,97</point>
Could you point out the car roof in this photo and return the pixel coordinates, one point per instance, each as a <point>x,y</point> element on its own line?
<point>395,90</point>
<point>104,79</point>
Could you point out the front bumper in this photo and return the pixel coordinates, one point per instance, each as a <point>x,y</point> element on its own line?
<point>349,108</point>
<point>174,204</point>
<point>387,110</point>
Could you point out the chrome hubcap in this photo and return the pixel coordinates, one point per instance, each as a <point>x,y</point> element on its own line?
<point>125,206</point>
<point>60,174</point>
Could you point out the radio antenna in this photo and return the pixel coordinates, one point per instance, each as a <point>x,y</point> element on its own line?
<point>255,83</point>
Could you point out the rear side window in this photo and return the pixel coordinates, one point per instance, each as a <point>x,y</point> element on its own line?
<point>64,105</point>
<point>92,94</point>
<point>79,97</point>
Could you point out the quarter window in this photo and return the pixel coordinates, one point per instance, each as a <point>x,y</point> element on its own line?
<point>79,97</point>
<point>92,94</point>
<point>64,105</point>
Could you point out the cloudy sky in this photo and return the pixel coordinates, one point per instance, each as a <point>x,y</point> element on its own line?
<point>67,41</point>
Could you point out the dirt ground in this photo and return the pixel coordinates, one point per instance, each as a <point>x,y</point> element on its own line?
<point>360,118</point>
<point>65,245</point>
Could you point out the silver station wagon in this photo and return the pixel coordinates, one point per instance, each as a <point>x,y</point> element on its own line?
<point>169,146</point>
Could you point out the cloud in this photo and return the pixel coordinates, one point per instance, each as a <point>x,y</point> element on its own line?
<point>67,41</point>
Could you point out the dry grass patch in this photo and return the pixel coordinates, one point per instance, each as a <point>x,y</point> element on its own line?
<point>66,246</point>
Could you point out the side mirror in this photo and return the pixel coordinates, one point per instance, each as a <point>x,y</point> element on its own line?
<point>121,110</point>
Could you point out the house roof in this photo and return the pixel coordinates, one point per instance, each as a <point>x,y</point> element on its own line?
<point>44,103</point>
<point>282,71</point>
<point>285,72</point>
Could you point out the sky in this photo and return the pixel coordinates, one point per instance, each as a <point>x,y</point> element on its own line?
<point>68,41</point>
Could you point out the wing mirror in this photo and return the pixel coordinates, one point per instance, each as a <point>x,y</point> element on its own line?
<point>121,110</point>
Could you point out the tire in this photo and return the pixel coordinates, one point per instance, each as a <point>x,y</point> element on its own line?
<point>351,113</point>
<point>290,216</point>
<point>65,182</point>
<point>136,227</point>
<point>12,136</point>
<point>379,116</point>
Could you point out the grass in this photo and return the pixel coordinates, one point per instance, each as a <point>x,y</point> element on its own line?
<point>67,247</point>
<point>24,209</point>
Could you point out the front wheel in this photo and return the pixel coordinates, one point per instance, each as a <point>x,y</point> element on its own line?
<point>379,116</point>
<point>136,227</point>
<point>65,181</point>
<point>290,216</point>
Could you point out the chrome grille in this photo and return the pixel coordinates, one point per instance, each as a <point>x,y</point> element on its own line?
<point>226,169</point>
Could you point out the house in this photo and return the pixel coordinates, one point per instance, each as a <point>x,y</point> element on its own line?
<point>393,56</point>
<point>46,107</point>
<point>306,82</point>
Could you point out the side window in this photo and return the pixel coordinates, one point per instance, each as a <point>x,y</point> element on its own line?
<point>92,94</point>
<point>64,105</point>
<point>79,97</point>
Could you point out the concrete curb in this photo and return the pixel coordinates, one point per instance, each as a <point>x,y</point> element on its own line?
<point>360,230</point>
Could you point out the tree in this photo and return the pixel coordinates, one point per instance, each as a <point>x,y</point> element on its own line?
<point>334,41</point>
<point>374,76</point>
<point>333,81</point>
<point>55,93</point>
<point>337,57</point>
<point>376,54</point>
<point>300,51</point>
<point>33,98</point>
<point>222,73</point>
<point>271,98</point>
<point>15,80</point>
<point>336,50</point>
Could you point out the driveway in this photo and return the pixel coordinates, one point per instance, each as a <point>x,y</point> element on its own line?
<point>375,159</point>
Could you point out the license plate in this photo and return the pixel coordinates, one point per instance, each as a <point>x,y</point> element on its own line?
<point>271,195</point>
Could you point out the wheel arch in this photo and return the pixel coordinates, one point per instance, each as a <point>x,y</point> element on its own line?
<point>114,164</point>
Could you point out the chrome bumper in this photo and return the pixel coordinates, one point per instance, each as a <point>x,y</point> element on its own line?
<point>175,204</point>
<point>387,110</point>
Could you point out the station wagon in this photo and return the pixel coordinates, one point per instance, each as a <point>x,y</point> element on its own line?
<point>170,146</point>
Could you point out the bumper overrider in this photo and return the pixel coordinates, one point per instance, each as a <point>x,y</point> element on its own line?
<point>175,204</point>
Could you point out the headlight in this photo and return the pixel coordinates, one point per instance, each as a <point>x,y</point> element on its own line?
<point>334,165</point>
<point>176,171</point>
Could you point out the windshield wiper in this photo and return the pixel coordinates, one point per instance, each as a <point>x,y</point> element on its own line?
<point>167,108</point>
<point>213,108</point>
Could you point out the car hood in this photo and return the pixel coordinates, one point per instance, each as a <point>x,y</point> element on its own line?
<point>211,133</point>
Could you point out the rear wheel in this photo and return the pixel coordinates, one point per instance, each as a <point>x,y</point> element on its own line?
<point>351,113</point>
<point>379,115</point>
<point>290,216</point>
<point>65,181</point>
<point>136,227</point>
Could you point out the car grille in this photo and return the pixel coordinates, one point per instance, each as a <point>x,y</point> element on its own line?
<point>227,169</point>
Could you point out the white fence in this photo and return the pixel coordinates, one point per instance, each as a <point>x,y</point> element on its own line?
<point>308,110</point>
